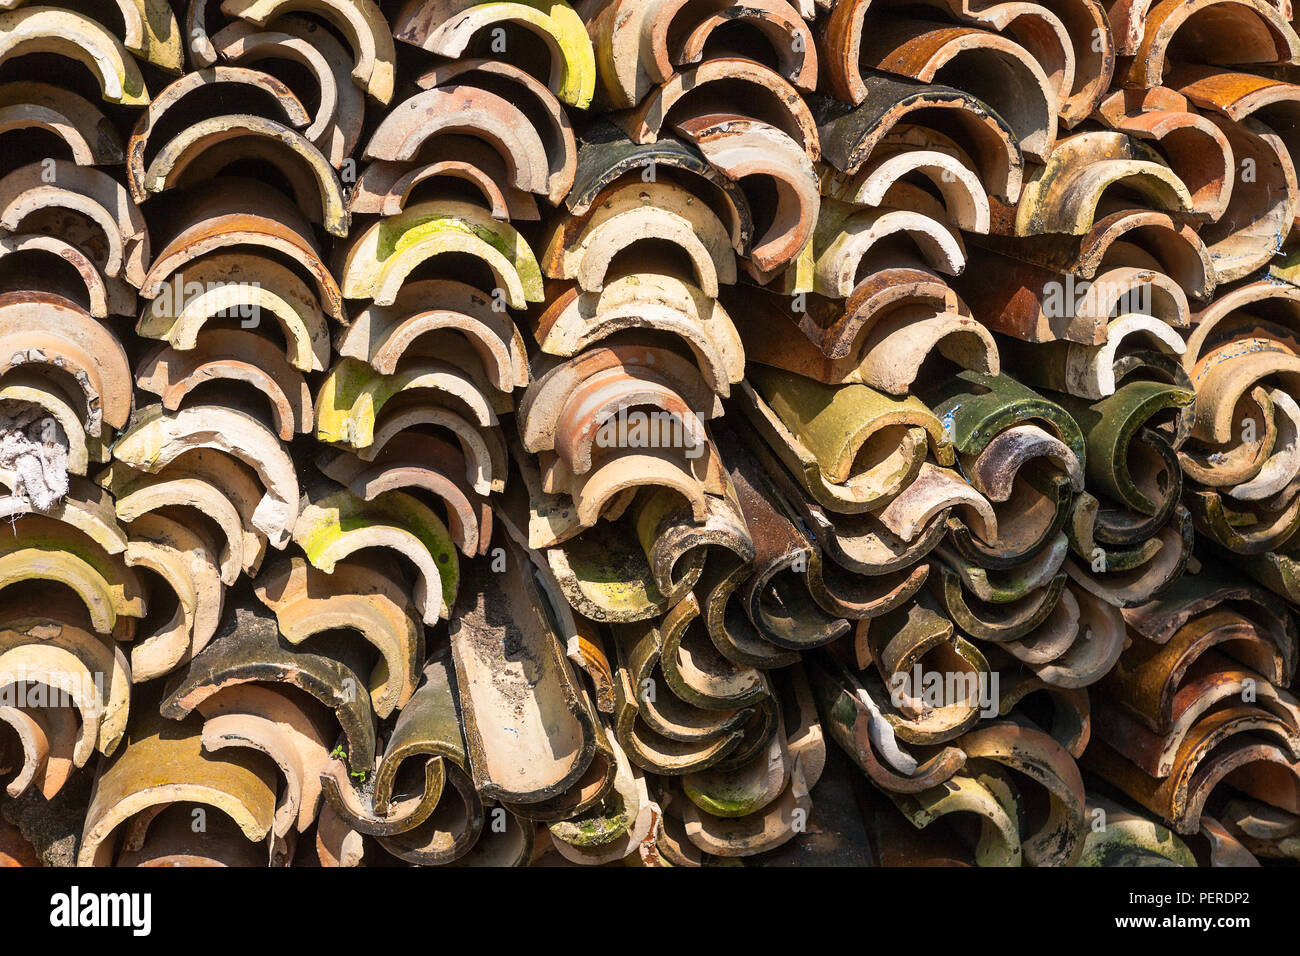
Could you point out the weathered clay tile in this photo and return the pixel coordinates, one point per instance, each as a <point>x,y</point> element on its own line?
<point>361,22</point>
<point>87,42</point>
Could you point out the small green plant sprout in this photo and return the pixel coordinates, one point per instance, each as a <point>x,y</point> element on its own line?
<point>341,754</point>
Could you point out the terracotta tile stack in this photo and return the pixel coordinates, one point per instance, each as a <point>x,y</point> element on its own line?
<point>546,428</point>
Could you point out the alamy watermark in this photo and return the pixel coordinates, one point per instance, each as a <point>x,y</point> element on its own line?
<point>921,691</point>
<point>43,689</point>
<point>1074,297</point>
<point>637,428</point>
<point>177,293</point>
<point>75,909</point>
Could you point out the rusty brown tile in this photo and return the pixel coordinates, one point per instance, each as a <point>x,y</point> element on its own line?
<point>336,126</point>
